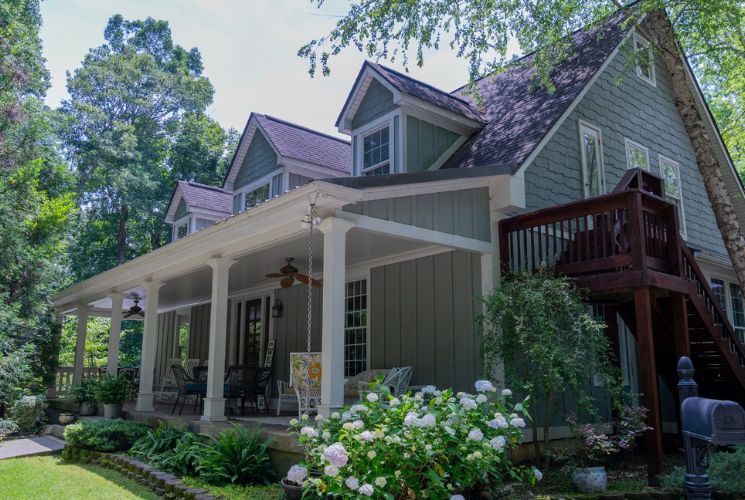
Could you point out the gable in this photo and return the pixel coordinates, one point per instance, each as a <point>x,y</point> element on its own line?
<point>378,101</point>
<point>623,106</point>
<point>425,143</point>
<point>260,160</point>
<point>182,210</point>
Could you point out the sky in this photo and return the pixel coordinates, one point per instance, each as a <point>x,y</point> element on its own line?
<point>249,51</point>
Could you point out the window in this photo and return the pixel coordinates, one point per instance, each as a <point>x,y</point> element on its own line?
<point>644,60</point>
<point>673,190</point>
<point>376,152</point>
<point>182,230</point>
<point>237,203</point>
<point>637,156</point>
<point>592,159</point>
<point>276,185</point>
<point>738,311</point>
<point>355,328</point>
<point>258,195</point>
<point>717,286</point>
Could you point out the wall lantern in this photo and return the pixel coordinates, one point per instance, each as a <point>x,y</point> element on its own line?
<point>277,309</point>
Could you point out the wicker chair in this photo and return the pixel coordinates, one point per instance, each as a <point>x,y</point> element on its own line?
<point>397,380</point>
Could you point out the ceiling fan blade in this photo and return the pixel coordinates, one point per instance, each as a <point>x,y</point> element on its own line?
<point>275,275</point>
<point>141,313</point>
<point>286,282</point>
<point>127,315</point>
<point>301,277</point>
<point>316,283</point>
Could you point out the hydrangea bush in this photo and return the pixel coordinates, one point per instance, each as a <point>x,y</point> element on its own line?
<point>432,444</point>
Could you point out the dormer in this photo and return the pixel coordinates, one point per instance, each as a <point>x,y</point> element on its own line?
<point>399,124</point>
<point>274,156</point>
<point>195,206</point>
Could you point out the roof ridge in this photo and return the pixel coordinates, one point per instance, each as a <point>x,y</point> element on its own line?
<point>307,129</point>
<point>421,82</point>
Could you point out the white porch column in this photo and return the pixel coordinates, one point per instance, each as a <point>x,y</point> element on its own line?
<point>117,303</point>
<point>149,345</point>
<point>332,333</point>
<point>77,373</point>
<point>214,403</point>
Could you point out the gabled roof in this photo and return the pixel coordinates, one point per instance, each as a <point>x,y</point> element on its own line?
<point>520,113</point>
<point>200,197</point>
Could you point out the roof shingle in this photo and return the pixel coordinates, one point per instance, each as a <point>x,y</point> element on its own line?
<point>206,197</point>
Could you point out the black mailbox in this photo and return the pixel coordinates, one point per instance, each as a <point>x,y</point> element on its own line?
<point>720,423</point>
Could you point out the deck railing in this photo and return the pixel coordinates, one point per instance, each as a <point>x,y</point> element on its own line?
<point>60,387</point>
<point>619,231</point>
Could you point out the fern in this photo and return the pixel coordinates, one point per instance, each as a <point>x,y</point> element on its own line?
<point>236,455</point>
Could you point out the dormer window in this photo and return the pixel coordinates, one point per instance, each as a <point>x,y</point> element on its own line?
<point>376,152</point>
<point>182,229</point>
<point>256,196</point>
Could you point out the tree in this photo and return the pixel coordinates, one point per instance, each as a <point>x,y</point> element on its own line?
<point>540,328</point>
<point>713,32</point>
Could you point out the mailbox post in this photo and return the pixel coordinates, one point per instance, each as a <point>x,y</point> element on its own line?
<point>706,423</point>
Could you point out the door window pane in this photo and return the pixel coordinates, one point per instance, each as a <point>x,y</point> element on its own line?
<point>717,286</point>
<point>355,328</point>
<point>738,311</point>
<point>592,160</point>
<point>673,189</point>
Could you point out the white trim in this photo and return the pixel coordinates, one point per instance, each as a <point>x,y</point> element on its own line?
<point>358,94</point>
<point>681,203</point>
<point>571,108</point>
<point>251,127</point>
<point>265,180</point>
<point>641,43</point>
<point>582,128</point>
<point>448,153</point>
<point>628,144</point>
<point>359,134</point>
<point>183,221</point>
<point>312,170</point>
<point>433,112</point>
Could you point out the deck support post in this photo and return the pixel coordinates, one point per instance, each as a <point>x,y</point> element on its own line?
<point>680,326</point>
<point>77,374</point>
<point>648,375</point>
<point>112,361</point>
<point>334,232</point>
<point>214,402</point>
<point>149,346</point>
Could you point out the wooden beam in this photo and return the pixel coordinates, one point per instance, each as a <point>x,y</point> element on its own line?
<point>680,326</point>
<point>648,380</point>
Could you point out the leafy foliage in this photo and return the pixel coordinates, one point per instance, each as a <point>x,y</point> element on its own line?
<point>113,389</point>
<point>539,327</point>
<point>725,474</point>
<point>237,456</point>
<point>105,435</point>
<point>29,413</point>
<point>84,392</point>
<point>16,378</point>
<point>7,428</point>
<point>170,449</point>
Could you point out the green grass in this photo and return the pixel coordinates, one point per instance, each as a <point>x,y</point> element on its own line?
<point>47,478</point>
<point>235,492</point>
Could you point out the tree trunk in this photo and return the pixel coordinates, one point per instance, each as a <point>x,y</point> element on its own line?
<point>657,26</point>
<point>547,428</point>
<point>121,239</point>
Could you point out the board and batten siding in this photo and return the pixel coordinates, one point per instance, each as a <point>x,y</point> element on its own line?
<point>167,338</point>
<point>624,106</point>
<point>260,160</point>
<point>423,314</point>
<point>464,212</point>
<point>378,101</point>
<point>297,180</point>
<point>181,210</point>
<point>425,143</point>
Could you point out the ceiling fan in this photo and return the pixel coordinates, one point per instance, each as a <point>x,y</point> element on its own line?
<point>135,310</point>
<point>289,274</point>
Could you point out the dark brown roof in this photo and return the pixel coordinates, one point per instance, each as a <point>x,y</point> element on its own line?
<point>206,197</point>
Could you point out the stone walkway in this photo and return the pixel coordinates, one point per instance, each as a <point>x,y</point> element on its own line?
<point>26,447</point>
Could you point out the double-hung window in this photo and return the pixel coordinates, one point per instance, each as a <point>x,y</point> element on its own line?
<point>729,296</point>
<point>670,171</point>
<point>592,159</point>
<point>256,196</point>
<point>182,229</point>
<point>644,60</point>
<point>376,152</point>
<point>637,156</point>
<point>259,194</point>
<point>355,328</point>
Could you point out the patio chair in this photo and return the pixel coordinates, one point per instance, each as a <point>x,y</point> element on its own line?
<point>351,386</point>
<point>186,387</point>
<point>258,387</point>
<point>397,380</point>
<point>237,381</point>
<point>305,377</point>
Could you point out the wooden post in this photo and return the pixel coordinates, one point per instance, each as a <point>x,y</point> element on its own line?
<point>680,326</point>
<point>648,376</point>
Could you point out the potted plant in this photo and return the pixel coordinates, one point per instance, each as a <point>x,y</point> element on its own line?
<point>112,391</point>
<point>292,483</point>
<point>66,418</point>
<point>84,396</point>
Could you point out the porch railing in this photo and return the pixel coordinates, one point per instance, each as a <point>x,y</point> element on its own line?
<point>619,231</point>
<point>60,387</point>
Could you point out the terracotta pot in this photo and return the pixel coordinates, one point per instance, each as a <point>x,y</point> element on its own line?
<point>66,418</point>
<point>112,410</point>
<point>87,409</point>
<point>590,479</point>
<point>292,491</point>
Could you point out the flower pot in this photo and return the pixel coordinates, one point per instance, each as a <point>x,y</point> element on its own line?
<point>112,410</point>
<point>292,490</point>
<point>590,479</point>
<point>66,418</point>
<point>87,409</point>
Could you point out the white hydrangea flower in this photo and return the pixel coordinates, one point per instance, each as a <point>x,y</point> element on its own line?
<point>475,434</point>
<point>457,497</point>
<point>308,431</point>
<point>335,415</point>
<point>428,389</point>
<point>427,420</point>
<point>467,403</point>
<point>336,455</point>
<point>480,399</point>
<point>365,436</point>
<point>418,396</point>
<point>397,473</point>
<point>297,474</point>
<point>347,426</point>
<point>538,474</point>
<point>331,471</point>
<point>450,430</point>
<point>358,424</point>
<point>294,422</point>
<point>380,482</point>
<point>347,415</point>
<point>506,392</point>
<point>519,407</point>
<point>326,435</point>
<point>438,401</point>
<point>352,483</point>
<point>517,422</point>
<point>366,490</point>
<point>498,442</point>
<point>304,416</point>
<point>378,434</point>
<point>498,423</point>
<point>371,454</point>
<point>428,447</point>
<point>411,418</point>
<point>394,402</point>
<point>484,386</point>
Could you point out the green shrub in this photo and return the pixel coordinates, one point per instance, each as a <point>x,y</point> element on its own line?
<point>727,472</point>
<point>170,449</point>
<point>112,389</point>
<point>236,455</point>
<point>7,427</point>
<point>672,481</point>
<point>84,392</point>
<point>105,435</point>
<point>160,440</point>
<point>29,413</point>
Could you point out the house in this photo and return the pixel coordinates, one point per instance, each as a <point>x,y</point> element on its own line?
<point>435,195</point>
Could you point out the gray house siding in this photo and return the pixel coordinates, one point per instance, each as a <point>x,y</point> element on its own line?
<point>425,143</point>
<point>629,108</point>
<point>260,160</point>
<point>296,180</point>
<point>378,101</point>
<point>422,314</point>
<point>199,332</point>
<point>167,340</point>
<point>182,210</point>
<point>464,212</point>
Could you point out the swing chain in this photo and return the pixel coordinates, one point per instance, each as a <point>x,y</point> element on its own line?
<point>310,272</point>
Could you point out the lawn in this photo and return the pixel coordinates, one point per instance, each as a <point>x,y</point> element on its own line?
<point>47,477</point>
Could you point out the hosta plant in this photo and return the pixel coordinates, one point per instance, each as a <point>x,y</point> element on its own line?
<point>432,444</point>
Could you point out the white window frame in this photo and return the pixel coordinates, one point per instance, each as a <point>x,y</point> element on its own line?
<point>633,144</point>
<point>641,43</point>
<point>263,181</point>
<point>183,221</point>
<point>728,282</point>
<point>681,203</point>
<point>582,127</point>
<point>366,327</point>
<point>359,134</point>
